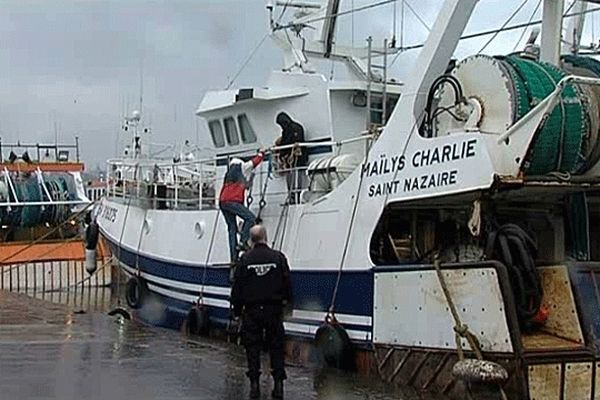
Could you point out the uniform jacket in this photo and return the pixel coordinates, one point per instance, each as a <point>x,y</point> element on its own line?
<point>263,277</point>
<point>234,185</point>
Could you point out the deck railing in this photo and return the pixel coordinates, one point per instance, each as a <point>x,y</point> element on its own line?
<point>194,184</point>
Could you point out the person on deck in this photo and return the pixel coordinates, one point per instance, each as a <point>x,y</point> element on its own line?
<point>232,198</point>
<point>294,160</point>
<point>261,295</point>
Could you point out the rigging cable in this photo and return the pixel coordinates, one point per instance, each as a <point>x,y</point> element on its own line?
<point>514,14</point>
<point>285,6</point>
<point>248,59</point>
<point>317,19</point>
<point>418,16</point>
<point>394,24</point>
<point>506,29</point>
<point>535,10</point>
<point>352,22</point>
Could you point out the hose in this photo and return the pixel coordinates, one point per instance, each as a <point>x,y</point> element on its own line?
<point>517,250</point>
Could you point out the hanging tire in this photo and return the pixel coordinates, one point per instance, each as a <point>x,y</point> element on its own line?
<point>136,292</point>
<point>333,346</point>
<point>197,322</point>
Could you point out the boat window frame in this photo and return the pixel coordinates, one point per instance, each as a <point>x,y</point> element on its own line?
<point>235,135</point>
<point>221,134</point>
<point>243,133</point>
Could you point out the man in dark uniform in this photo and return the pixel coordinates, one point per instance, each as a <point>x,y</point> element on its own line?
<point>294,159</point>
<point>261,293</point>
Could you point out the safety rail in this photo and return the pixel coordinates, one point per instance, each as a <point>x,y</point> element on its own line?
<point>193,184</point>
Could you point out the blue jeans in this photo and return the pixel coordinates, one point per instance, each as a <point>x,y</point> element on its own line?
<point>230,211</point>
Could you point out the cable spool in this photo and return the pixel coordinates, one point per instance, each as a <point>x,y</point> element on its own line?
<point>587,67</point>
<point>506,89</point>
<point>333,345</point>
<point>136,291</point>
<point>197,321</point>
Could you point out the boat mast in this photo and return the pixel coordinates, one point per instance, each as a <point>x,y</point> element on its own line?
<point>328,33</point>
<point>572,41</point>
<point>321,19</point>
<point>552,17</point>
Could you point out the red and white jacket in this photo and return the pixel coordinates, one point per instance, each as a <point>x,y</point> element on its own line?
<point>234,185</point>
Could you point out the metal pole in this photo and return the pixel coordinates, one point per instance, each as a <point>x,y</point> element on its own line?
<point>551,31</point>
<point>200,189</point>
<point>77,147</point>
<point>369,45</point>
<point>384,94</point>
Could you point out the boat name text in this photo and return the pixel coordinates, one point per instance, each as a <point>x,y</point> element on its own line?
<point>447,153</point>
<point>108,213</point>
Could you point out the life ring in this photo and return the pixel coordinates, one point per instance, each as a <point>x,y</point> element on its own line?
<point>136,291</point>
<point>333,345</point>
<point>197,321</point>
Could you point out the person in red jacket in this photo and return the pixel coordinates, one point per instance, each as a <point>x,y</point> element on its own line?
<point>232,198</point>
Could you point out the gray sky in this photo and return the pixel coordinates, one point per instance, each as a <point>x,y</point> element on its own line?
<point>77,63</point>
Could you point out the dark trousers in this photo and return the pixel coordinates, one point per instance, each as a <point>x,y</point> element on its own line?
<point>260,323</point>
<point>230,211</point>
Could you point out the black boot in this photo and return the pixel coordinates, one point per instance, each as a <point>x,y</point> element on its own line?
<point>254,389</point>
<point>277,392</point>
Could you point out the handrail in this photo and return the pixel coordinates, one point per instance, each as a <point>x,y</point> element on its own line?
<point>149,162</point>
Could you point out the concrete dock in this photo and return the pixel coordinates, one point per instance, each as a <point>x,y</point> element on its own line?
<point>55,351</point>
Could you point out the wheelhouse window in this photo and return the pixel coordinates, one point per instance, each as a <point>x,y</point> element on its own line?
<point>216,133</point>
<point>248,135</point>
<point>231,131</point>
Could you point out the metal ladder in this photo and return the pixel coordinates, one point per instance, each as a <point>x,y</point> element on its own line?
<point>371,96</point>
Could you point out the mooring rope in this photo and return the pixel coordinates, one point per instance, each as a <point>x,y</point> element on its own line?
<point>461,330</point>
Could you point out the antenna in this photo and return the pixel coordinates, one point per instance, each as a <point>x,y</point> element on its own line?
<point>55,131</point>
<point>141,84</point>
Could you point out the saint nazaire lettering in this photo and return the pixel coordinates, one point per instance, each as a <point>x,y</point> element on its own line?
<point>447,153</point>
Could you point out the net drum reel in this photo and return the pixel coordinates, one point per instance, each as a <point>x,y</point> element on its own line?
<point>498,91</point>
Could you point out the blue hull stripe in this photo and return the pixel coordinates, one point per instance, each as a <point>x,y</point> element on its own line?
<point>312,290</point>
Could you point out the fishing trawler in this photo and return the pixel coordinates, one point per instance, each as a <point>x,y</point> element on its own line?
<point>448,218</point>
<point>42,208</point>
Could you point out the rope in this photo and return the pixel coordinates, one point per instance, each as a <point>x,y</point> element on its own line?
<point>262,203</point>
<point>514,14</point>
<point>102,267</point>
<point>208,254</point>
<point>461,330</point>
<point>537,7</point>
<point>351,11</point>
<point>331,310</point>
<point>119,244</point>
<point>248,59</point>
<point>139,245</point>
<point>418,16</point>
<point>509,28</point>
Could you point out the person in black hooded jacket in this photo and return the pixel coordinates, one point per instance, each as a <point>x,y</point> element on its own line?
<point>294,160</point>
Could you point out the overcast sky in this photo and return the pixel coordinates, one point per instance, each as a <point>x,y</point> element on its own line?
<point>76,64</point>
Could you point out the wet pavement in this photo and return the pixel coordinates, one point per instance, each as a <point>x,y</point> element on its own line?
<point>60,351</point>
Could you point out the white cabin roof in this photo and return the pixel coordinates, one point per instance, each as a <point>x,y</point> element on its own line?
<point>221,99</point>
